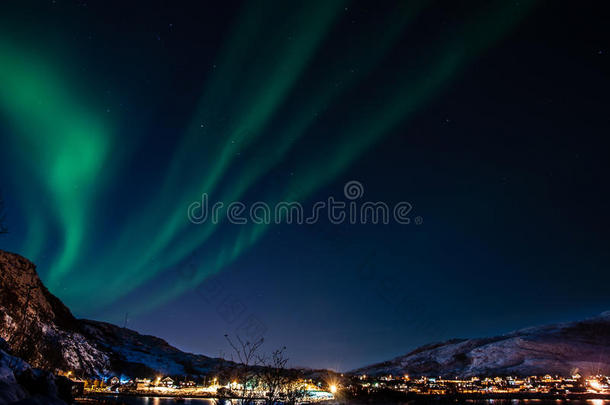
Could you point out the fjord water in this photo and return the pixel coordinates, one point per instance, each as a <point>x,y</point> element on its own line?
<point>207,401</point>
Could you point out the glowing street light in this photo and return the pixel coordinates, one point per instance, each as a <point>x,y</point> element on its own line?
<point>333,389</point>
<point>595,385</point>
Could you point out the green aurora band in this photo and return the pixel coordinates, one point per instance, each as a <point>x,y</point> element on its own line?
<point>375,46</point>
<point>261,91</point>
<point>71,143</point>
<point>65,146</point>
<point>394,106</point>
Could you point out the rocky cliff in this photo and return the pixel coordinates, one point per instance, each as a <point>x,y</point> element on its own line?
<point>39,328</point>
<point>21,383</point>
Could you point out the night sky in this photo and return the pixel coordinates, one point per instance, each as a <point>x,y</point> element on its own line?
<point>490,118</point>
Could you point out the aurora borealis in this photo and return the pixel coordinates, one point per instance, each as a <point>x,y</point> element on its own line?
<point>115,117</point>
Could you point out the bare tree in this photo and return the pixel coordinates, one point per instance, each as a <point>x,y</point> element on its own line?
<point>281,384</point>
<point>274,377</point>
<point>246,370</point>
<point>3,228</point>
<point>254,377</point>
<point>296,388</point>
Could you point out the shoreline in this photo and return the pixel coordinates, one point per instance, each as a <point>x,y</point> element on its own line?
<point>88,398</point>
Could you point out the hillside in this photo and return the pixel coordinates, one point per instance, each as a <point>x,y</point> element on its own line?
<point>39,328</point>
<point>563,349</point>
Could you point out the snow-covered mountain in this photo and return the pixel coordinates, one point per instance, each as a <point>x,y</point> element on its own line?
<point>39,328</point>
<point>562,349</point>
<point>136,354</point>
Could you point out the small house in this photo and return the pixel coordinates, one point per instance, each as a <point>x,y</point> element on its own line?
<point>167,382</point>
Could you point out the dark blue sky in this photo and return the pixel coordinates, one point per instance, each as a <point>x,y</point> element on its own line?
<point>489,118</point>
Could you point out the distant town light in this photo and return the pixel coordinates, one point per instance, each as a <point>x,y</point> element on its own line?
<point>595,385</point>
